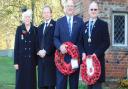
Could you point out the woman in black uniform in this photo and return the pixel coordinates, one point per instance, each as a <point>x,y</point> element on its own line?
<point>25,54</point>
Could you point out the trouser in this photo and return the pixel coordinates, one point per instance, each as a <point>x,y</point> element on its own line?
<point>95,86</point>
<point>47,87</point>
<point>61,82</point>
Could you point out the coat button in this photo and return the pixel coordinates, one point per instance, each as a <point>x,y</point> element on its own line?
<point>29,56</point>
<point>29,41</point>
<point>25,41</point>
<point>25,48</point>
<point>29,48</point>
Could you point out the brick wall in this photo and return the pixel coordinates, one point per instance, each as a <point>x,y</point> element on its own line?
<point>85,9</point>
<point>116,64</point>
<point>116,58</point>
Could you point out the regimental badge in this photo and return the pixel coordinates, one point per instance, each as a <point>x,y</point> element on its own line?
<point>24,32</point>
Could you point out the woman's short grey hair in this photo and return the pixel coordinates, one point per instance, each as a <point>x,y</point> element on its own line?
<point>27,13</point>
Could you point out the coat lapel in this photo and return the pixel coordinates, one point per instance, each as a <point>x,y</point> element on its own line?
<point>86,28</point>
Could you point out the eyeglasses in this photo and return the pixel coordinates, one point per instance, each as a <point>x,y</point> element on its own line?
<point>93,9</point>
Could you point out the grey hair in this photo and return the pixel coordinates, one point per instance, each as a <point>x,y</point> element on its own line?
<point>26,13</point>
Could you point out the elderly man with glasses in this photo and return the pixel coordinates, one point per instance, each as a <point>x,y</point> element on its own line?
<point>94,39</point>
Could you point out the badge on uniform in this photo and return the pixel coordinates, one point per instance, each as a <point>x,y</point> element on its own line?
<point>23,33</point>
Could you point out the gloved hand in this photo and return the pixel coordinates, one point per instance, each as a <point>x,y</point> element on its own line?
<point>41,53</point>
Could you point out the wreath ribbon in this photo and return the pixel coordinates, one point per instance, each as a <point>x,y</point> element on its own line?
<point>90,69</point>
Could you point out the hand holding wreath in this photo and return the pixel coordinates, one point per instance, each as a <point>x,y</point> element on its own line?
<point>63,67</point>
<point>90,69</point>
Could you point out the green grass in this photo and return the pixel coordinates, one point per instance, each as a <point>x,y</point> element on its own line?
<point>7,75</point>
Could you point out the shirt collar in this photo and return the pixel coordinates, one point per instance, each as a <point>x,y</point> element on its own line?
<point>68,17</point>
<point>94,20</point>
<point>48,21</point>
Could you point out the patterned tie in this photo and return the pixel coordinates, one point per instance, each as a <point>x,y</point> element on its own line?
<point>91,26</point>
<point>45,27</point>
<point>69,26</point>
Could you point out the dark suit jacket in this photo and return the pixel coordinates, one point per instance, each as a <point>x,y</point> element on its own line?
<point>61,34</point>
<point>46,66</point>
<point>100,42</point>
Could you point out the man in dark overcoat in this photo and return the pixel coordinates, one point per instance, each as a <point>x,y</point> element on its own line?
<point>95,40</point>
<point>45,51</point>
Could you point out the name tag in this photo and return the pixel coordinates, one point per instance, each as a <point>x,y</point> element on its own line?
<point>74,63</point>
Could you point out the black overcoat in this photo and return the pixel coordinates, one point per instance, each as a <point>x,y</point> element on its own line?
<point>46,65</point>
<point>25,57</point>
<point>100,42</point>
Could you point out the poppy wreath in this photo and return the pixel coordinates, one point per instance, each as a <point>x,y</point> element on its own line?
<point>63,67</point>
<point>90,69</point>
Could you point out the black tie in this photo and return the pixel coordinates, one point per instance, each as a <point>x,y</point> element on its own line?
<point>46,24</point>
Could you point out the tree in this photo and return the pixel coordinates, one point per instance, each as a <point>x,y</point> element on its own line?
<point>10,17</point>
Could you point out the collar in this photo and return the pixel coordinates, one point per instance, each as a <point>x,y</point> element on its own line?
<point>69,17</point>
<point>48,21</point>
<point>94,20</point>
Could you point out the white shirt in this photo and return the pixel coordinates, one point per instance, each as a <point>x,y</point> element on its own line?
<point>45,25</point>
<point>71,21</point>
<point>94,20</point>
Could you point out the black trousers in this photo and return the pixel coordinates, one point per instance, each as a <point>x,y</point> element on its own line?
<point>47,87</point>
<point>95,86</point>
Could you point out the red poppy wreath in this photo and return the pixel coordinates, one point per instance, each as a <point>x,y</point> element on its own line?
<point>90,69</point>
<point>63,67</point>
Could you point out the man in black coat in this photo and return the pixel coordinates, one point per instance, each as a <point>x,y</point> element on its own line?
<point>45,51</point>
<point>95,41</point>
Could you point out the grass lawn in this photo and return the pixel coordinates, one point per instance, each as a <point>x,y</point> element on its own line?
<point>7,75</point>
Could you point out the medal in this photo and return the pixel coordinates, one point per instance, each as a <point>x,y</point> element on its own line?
<point>22,37</point>
<point>89,40</point>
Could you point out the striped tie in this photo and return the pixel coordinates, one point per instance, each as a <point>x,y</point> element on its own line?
<point>69,26</point>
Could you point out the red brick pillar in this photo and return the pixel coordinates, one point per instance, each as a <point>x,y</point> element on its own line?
<point>85,9</point>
